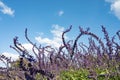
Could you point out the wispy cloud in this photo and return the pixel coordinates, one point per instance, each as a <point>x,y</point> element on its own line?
<point>5,9</point>
<point>60,13</point>
<point>56,41</point>
<point>115,7</point>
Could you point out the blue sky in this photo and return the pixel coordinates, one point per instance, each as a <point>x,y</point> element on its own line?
<point>46,19</point>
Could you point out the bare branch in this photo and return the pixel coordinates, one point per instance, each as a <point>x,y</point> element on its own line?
<point>109,43</point>
<point>34,45</point>
<point>63,39</point>
<point>15,40</point>
<point>15,49</point>
<point>94,36</point>
<point>118,34</point>
<point>33,49</point>
<point>75,43</point>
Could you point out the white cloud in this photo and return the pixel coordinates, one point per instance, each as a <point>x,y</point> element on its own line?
<point>28,46</point>
<point>12,55</point>
<point>8,55</point>
<point>5,9</point>
<point>15,56</point>
<point>60,13</point>
<point>56,41</point>
<point>57,32</point>
<point>115,7</point>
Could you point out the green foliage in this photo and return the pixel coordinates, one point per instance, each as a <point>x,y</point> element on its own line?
<point>80,74</point>
<point>40,77</point>
<point>15,64</point>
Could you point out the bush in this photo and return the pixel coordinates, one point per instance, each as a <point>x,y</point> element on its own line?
<point>71,61</point>
<point>81,74</point>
